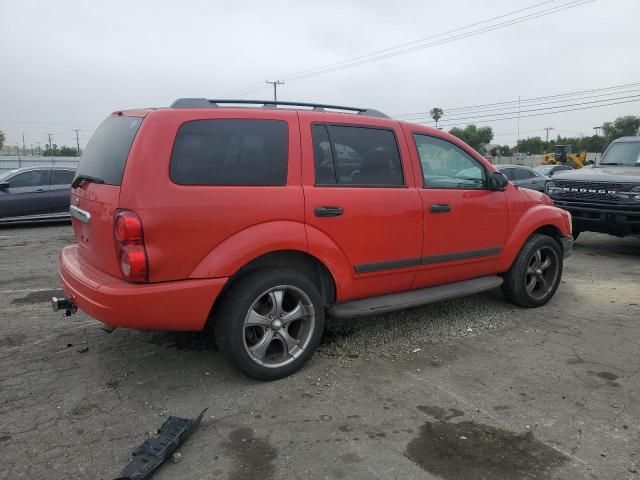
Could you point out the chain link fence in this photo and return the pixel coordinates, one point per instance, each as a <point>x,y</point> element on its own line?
<point>11,162</point>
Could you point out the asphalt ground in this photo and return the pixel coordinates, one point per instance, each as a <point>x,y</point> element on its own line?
<point>469,389</point>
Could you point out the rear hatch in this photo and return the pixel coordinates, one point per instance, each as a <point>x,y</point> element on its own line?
<point>95,200</point>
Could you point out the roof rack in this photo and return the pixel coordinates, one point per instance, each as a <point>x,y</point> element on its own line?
<point>319,107</point>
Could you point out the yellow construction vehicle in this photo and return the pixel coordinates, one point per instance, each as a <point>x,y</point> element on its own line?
<point>563,155</point>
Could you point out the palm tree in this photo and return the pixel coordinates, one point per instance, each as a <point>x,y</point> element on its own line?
<point>436,114</point>
<point>2,139</point>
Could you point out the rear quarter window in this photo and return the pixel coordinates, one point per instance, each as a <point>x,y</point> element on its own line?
<point>106,153</point>
<point>62,177</point>
<point>230,152</point>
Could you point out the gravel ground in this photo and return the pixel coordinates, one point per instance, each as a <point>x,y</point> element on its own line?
<point>402,332</point>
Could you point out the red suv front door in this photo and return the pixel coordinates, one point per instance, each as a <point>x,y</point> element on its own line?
<point>465,223</point>
<point>359,193</point>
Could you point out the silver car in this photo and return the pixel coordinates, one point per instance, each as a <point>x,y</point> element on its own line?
<point>524,176</point>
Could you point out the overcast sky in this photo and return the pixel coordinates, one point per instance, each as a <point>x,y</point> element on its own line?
<point>68,64</point>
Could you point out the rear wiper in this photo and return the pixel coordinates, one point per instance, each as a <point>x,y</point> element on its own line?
<point>85,178</point>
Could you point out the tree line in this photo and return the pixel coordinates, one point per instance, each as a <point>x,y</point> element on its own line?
<point>48,151</point>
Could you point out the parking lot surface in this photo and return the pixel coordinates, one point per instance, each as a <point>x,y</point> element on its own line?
<point>468,389</point>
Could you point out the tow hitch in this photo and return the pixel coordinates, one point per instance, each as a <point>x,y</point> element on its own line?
<point>63,304</point>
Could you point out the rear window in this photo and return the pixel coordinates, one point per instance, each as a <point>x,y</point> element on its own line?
<point>106,153</point>
<point>230,152</point>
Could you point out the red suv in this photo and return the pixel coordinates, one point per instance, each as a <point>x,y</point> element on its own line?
<point>257,221</point>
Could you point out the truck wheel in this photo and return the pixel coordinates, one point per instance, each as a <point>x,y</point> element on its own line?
<point>535,274</point>
<point>270,323</point>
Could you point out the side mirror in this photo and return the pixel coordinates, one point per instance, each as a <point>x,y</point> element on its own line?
<point>497,181</point>
<point>4,185</point>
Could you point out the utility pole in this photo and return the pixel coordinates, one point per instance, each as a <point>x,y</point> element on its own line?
<point>77,142</point>
<point>518,139</point>
<point>39,150</point>
<point>597,129</point>
<point>275,84</point>
<point>24,150</point>
<point>50,144</point>
<point>547,129</point>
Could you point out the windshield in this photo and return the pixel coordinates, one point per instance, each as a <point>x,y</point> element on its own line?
<point>5,175</point>
<point>623,153</point>
<point>107,151</point>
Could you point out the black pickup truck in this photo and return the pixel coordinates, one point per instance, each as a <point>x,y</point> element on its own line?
<point>604,197</point>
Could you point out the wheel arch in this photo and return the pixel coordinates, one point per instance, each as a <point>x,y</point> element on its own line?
<point>295,260</point>
<point>543,219</point>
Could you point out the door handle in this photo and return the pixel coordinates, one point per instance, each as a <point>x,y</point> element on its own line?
<point>439,208</point>
<point>328,211</point>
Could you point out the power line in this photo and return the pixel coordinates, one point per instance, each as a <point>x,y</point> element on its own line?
<point>419,44</point>
<point>322,70</point>
<point>545,113</point>
<point>492,110</point>
<point>475,117</point>
<point>319,71</point>
<point>527,100</point>
<point>421,40</point>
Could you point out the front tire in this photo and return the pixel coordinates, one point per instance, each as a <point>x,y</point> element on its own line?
<point>535,274</point>
<point>270,323</point>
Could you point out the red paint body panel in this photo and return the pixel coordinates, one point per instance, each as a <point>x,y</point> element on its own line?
<point>197,237</point>
<point>183,305</point>
<point>95,239</point>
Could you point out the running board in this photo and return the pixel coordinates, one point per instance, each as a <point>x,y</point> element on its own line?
<point>413,298</point>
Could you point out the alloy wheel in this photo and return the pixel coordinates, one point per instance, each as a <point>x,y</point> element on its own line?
<point>542,272</point>
<point>279,326</point>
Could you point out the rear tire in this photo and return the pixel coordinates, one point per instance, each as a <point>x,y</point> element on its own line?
<point>270,323</point>
<point>535,274</point>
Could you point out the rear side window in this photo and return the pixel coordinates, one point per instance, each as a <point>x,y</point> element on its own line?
<point>230,152</point>
<point>510,173</point>
<point>357,156</point>
<point>62,177</point>
<point>524,174</point>
<point>106,153</point>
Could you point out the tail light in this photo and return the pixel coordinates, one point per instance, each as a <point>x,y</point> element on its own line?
<point>130,246</point>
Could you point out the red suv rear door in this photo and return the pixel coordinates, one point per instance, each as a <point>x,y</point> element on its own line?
<point>359,192</point>
<point>465,223</point>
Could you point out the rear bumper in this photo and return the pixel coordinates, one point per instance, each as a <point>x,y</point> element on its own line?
<point>179,305</point>
<point>567,245</point>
